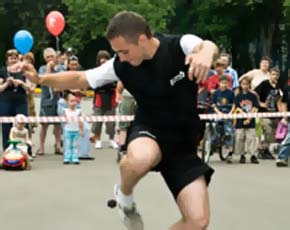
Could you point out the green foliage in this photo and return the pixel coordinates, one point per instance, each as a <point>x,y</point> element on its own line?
<point>87,19</point>
<point>25,14</point>
<point>232,24</point>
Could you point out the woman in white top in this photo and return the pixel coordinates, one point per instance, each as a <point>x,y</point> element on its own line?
<point>256,76</point>
<point>72,129</point>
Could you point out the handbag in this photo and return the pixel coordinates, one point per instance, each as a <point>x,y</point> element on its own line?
<point>281,132</point>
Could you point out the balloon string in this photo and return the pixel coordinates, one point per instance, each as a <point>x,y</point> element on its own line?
<point>57,43</point>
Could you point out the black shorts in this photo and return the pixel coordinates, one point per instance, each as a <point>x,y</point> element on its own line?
<point>180,164</point>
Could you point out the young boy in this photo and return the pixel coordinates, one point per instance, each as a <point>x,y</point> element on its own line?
<point>246,102</point>
<point>269,95</point>
<point>72,129</point>
<point>223,102</point>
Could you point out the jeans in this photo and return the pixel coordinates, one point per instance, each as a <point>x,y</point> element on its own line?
<point>70,143</point>
<point>284,152</point>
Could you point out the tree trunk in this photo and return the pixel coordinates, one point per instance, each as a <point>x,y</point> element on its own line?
<point>266,37</point>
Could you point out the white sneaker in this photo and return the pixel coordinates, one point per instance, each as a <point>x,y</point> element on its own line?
<point>130,215</point>
<point>113,144</point>
<point>98,145</point>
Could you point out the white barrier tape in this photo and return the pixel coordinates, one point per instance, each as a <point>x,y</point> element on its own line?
<point>61,119</point>
<point>243,115</point>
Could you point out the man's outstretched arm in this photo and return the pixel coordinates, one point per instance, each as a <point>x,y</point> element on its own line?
<point>94,78</point>
<point>61,80</point>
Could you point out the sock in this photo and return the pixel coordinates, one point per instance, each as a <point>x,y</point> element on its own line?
<point>124,200</point>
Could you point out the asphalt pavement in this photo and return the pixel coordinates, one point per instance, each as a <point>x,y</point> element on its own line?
<point>53,196</point>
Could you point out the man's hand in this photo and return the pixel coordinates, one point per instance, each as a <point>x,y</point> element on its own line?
<point>201,60</point>
<point>30,73</point>
<point>17,82</point>
<point>199,66</point>
<point>49,66</point>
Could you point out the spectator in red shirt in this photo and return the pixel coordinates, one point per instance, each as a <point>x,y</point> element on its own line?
<point>212,83</point>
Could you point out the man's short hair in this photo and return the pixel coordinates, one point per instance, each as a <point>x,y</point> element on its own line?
<point>102,54</point>
<point>49,50</point>
<point>226,55</point>
<point>275,69</point>
<point>219,63</point>
<point>129,25</point>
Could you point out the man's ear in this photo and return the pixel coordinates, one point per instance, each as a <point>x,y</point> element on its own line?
<point>142,39</point>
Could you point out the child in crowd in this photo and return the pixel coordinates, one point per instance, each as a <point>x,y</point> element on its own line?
<point>269,94</point>
<point>72,129</point>
<point>19,133</point>
<point>84,142</point>
<point>223,102</point>
<point>212,83</point>
<point>246,102</point>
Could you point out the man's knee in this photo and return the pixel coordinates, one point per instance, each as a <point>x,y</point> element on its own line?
<point>141,159</point>
<point>135,163</point>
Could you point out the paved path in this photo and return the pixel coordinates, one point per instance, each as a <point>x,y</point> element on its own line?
<point>69,197</point>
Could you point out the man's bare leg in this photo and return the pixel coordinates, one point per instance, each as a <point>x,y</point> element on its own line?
<point>193,202</point>
<point>143,154</point>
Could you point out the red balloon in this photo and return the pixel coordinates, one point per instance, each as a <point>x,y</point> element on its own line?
<point>55,23</point>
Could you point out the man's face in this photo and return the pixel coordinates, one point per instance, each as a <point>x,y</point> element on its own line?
<point>73,65</point>
<point>220,69</point>
<point>274,76</point>
<point>50,56</point>
<point>128,51</point>
<point>62,59</point>
<point>225,60</point>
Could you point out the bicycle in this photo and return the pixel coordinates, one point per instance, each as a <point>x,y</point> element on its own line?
<point>214,140</point>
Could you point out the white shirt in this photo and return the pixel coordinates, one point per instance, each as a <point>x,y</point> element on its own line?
<point>72,114</point>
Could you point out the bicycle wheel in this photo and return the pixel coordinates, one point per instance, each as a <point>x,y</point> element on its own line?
<point>222,150</point>
<point>222,153</point>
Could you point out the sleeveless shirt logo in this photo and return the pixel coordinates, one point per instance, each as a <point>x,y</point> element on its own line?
<point>147,133</point>
<point>177,78</point>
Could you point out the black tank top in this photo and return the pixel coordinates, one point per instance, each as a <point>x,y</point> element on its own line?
<point>12,93</point>
<point>165,96</point>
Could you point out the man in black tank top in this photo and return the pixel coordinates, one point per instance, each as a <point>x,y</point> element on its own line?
<point>161,72</point>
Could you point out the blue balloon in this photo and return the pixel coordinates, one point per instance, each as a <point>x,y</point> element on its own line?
<point>23,41</point>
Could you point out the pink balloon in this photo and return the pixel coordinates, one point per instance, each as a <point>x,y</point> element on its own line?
<point>55,23</point>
